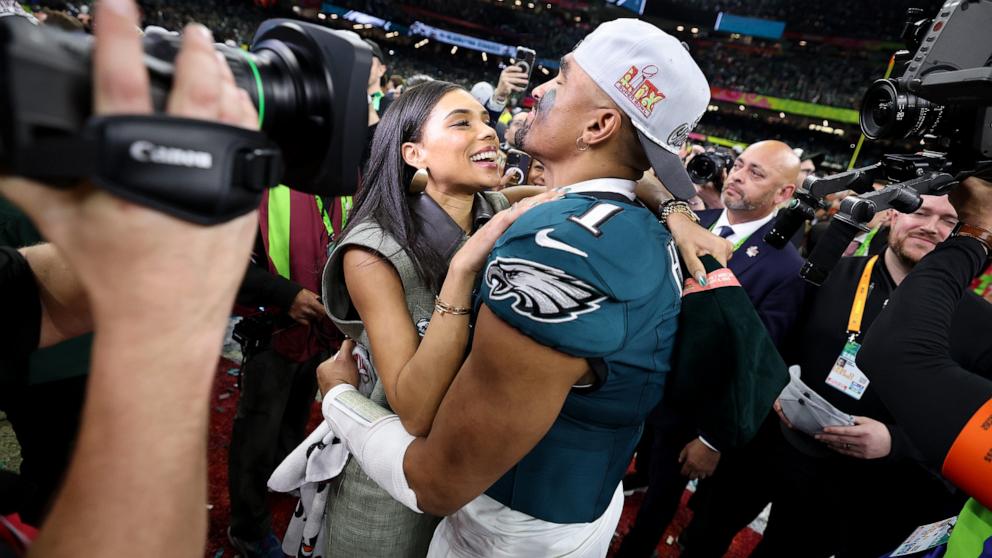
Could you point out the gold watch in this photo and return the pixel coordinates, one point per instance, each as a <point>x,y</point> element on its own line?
<point>672,207</point>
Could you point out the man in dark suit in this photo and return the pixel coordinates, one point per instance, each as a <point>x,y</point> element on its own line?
<point>763,177</point>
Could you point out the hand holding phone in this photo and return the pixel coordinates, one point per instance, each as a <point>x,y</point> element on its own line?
<point>517,167</point>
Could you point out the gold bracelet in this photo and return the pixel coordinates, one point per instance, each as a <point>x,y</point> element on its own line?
<point>444,308</point>
<point>672,207</point>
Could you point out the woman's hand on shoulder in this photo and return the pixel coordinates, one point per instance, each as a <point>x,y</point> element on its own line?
<point>472,256</point>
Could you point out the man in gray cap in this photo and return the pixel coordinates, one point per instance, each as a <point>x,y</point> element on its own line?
<point>573,338</point>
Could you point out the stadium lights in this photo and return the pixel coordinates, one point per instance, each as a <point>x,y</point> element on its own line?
<point>392,53</point>
<point>322,16</point>
<point>680,28</point>
<point>454,49</point>
<point>485,58</point>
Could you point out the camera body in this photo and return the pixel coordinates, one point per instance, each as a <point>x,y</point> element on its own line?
<point>307,82</point>
<point>944,93</point>
<point>710,166</point>
<point>943,99</point>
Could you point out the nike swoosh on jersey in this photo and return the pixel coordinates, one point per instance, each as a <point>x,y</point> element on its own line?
<point>543,240</point>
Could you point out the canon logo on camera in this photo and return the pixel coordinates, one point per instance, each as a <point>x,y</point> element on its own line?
<point>147,152</point>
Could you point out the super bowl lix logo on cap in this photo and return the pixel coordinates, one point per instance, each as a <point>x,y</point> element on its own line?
<point>635,84</point>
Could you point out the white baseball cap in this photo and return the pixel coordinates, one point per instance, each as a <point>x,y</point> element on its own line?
<point>483,91</point>
<point>652,78</point>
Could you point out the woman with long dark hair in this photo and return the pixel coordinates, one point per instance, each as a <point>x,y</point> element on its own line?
<point>400,281</point>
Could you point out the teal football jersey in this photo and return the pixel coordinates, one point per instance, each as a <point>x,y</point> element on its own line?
<point>573,275</point>
<point>596,278</point>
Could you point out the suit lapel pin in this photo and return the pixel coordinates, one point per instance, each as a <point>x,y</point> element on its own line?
<point>752,251</point>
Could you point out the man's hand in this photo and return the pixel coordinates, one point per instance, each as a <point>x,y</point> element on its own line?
<point>973,201</point>
<point>698,460</point>
<point>781,414</point>
<point>339,369</point>
<point>511,80</point>
<point>694,241</point>
<point>306,307</point>
<point>161,291</point>
<point>867,439</point>
<point>128,256</point>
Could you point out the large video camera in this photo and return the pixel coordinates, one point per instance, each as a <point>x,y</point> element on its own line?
<point>307,82</point>
<point>942,98</point>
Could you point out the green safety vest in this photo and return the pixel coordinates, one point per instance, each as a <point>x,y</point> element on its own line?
<point>279,218</point>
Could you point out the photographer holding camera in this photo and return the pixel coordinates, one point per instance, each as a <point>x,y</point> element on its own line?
<point>942,404</point>
<point>859,471</point>
<point>159,290</point>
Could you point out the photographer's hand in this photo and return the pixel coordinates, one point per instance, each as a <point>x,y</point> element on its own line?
<point>161,290</point>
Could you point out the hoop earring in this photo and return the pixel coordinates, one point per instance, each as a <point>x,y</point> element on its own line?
<point>419,181</point>
<point>581,145</point>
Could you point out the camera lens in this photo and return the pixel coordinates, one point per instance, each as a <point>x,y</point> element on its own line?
<point>702,168</point>
<point>889,112</point>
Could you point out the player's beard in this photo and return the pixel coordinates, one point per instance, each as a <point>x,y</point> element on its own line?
<point>543,106</point>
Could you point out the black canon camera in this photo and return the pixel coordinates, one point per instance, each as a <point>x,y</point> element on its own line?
<point>942,98</point>
<point>307,82</point>
<point>710,166</point>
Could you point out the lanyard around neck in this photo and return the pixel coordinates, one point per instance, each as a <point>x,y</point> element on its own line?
<point>860,298</point>
<point>346,202</point>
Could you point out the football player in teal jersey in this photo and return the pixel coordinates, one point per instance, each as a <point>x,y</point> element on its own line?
<point>575,324</point>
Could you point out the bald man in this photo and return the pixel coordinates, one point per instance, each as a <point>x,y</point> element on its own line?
<point>763,177</point>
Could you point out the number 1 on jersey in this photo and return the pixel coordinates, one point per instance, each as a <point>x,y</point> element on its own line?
<point>594,218</point>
